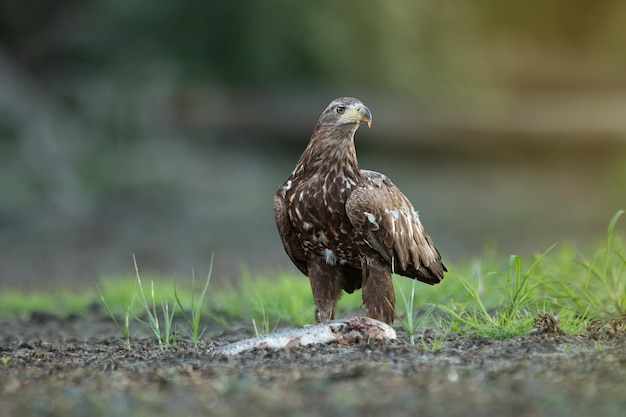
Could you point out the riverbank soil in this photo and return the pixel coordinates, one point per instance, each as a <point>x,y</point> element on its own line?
<point>80,366</point>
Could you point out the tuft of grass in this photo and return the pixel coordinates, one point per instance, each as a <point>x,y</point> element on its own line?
<point>571,322</point>
<point>156,308</point>
<point>127,306</point>
<point>265,322</point>
<point>410,320</point>
<point>602,291</point>
<point>152,322</point>
<point>193,321</point>
<point>513,315</point>
<point>435,342</point>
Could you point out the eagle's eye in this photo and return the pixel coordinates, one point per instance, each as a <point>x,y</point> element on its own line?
<point>340,109</point>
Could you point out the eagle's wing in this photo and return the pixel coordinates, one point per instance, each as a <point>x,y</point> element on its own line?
<point>388,223</point>
<point>288,234</point>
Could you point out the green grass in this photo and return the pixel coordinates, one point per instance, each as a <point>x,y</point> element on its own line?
<point>602,291</point>
<point>194,316</point>
<point>494,296</point>
<point>127,306</point>
<point>517,291</point>
<point>284,298</point>
<point>160,327</point>
<point>410,318</point>
<point>64,303</point>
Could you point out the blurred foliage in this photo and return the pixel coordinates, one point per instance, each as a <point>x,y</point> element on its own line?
<point>91,91</point>
<point>400,44</point>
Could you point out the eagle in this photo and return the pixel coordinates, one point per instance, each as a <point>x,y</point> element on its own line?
<point>347,228</point>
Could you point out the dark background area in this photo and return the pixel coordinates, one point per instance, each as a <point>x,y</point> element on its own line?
<point>164,128</point>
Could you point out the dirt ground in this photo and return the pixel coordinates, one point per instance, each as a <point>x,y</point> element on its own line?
<point>79,366</point>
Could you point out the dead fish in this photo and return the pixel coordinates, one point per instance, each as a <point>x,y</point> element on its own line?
<point>344,331</point>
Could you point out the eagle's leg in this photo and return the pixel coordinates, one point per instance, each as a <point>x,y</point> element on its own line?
<point>378,297</point>
<point>327,284</point>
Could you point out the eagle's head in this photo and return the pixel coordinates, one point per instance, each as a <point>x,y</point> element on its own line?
<point>331,148</point>
<point>345,112</point>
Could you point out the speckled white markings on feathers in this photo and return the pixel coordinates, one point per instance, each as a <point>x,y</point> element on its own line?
<point>331,258</point>
<point>371,218</point>
<point>321,238</point>
<point>344,331</point>
<point>394,216</point>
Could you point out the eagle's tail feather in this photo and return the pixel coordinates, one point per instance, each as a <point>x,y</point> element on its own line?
<point>432,274</point>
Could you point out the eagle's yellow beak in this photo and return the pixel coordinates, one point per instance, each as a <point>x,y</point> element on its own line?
<point>363,114</point>
<point>358,113</point>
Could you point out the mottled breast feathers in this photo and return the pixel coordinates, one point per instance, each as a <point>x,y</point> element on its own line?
<point>381,218</point>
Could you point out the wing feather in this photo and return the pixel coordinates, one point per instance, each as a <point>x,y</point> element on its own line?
<point>389,224</point>
<point>288,235</point>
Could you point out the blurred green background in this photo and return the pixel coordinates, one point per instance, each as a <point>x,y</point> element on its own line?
<point>163,128</point>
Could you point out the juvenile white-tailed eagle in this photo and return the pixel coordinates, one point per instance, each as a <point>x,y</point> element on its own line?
<point>348,228</point>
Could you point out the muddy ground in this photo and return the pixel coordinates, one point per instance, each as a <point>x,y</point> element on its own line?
<point>79,366</point>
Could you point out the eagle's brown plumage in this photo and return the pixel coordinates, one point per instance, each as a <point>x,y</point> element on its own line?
<point>347,228</point>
